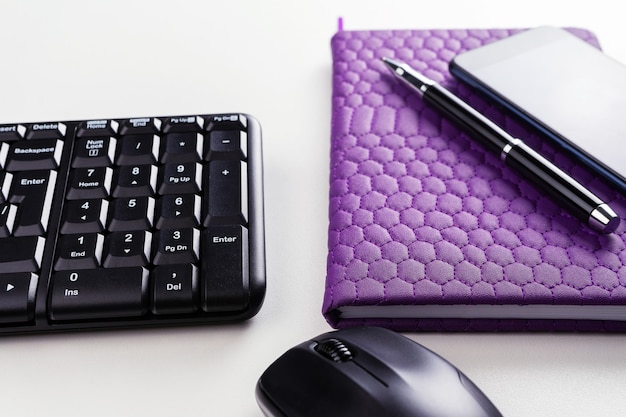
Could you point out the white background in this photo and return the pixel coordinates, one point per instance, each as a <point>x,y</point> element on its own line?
<point>72,60</point>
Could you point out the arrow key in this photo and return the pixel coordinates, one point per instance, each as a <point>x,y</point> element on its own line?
<point>17,297</point>
<point>84,216</point>
<point>134,181</point>
<point>178,210</point>
<point>130,248</point>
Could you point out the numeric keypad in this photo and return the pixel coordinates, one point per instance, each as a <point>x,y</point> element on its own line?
<point>137,221</point>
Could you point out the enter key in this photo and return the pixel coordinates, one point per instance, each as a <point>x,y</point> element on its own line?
<point>225,271</point>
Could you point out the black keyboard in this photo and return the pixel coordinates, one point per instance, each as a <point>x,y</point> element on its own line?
<point>130,222</point>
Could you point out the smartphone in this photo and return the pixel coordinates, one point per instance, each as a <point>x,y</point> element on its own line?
<point>569,90</point>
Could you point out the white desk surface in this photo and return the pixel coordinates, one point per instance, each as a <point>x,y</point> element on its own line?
<point>79,59</point>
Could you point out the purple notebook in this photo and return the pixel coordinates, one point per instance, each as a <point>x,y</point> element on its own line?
<point>430,231</point>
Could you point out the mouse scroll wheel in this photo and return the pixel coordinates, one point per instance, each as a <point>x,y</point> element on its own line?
<point>334,350</point>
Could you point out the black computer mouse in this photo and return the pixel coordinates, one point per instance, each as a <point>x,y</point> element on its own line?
<point>367,372</point>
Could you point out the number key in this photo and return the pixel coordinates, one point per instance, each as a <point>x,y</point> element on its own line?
<point>84,216</point>
<point>127,249</point>
<point>178,210</point>
<point>131,181</point>
<point>181,178</point>
<point>177,246</point>
<point>87,183</point>
<point>80,251</point>
<point>132,213</point>
<point>98,293</point>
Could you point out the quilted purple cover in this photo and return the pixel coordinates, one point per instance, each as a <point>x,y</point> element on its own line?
<point>422,214</point>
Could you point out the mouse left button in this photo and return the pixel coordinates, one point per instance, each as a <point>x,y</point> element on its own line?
<point>297,381</point>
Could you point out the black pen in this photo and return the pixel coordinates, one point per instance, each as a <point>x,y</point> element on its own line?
<point>514,152</point>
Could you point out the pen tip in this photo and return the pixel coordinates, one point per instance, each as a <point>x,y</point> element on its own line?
<point>391,63</point>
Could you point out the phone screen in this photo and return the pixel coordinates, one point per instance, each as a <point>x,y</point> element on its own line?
<point>563,86</point>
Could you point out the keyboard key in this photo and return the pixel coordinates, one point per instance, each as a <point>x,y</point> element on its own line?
<point>181,178</point>
<point>175,289</point>
<point>7,218</point>
<point>88,183</point>
<point>227,122</point>
<point>4,154</point>
<point>174,246</point>
<point>139,180</point>
<point>183,124</point>
<point>227,144</point>
<point>132,213</point>
<point>178,210</point>
<point>99,293</point>
<point>90,128</point>
<point>33,192</point>
<point>6,179</point>
<point>138,150</point>
<point>182,147</point>
<point>38,154</point>
<point>140,126</point>
<point>130,248</point>
<point>85,216</point>
<point>79,251</point>
<point>21,254</point>
<point>94,152</point>
<point>225,268</point>
<point>225,193</point>
<point>17,297</point>
<point>9,133</point>
<point>51,130</point>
